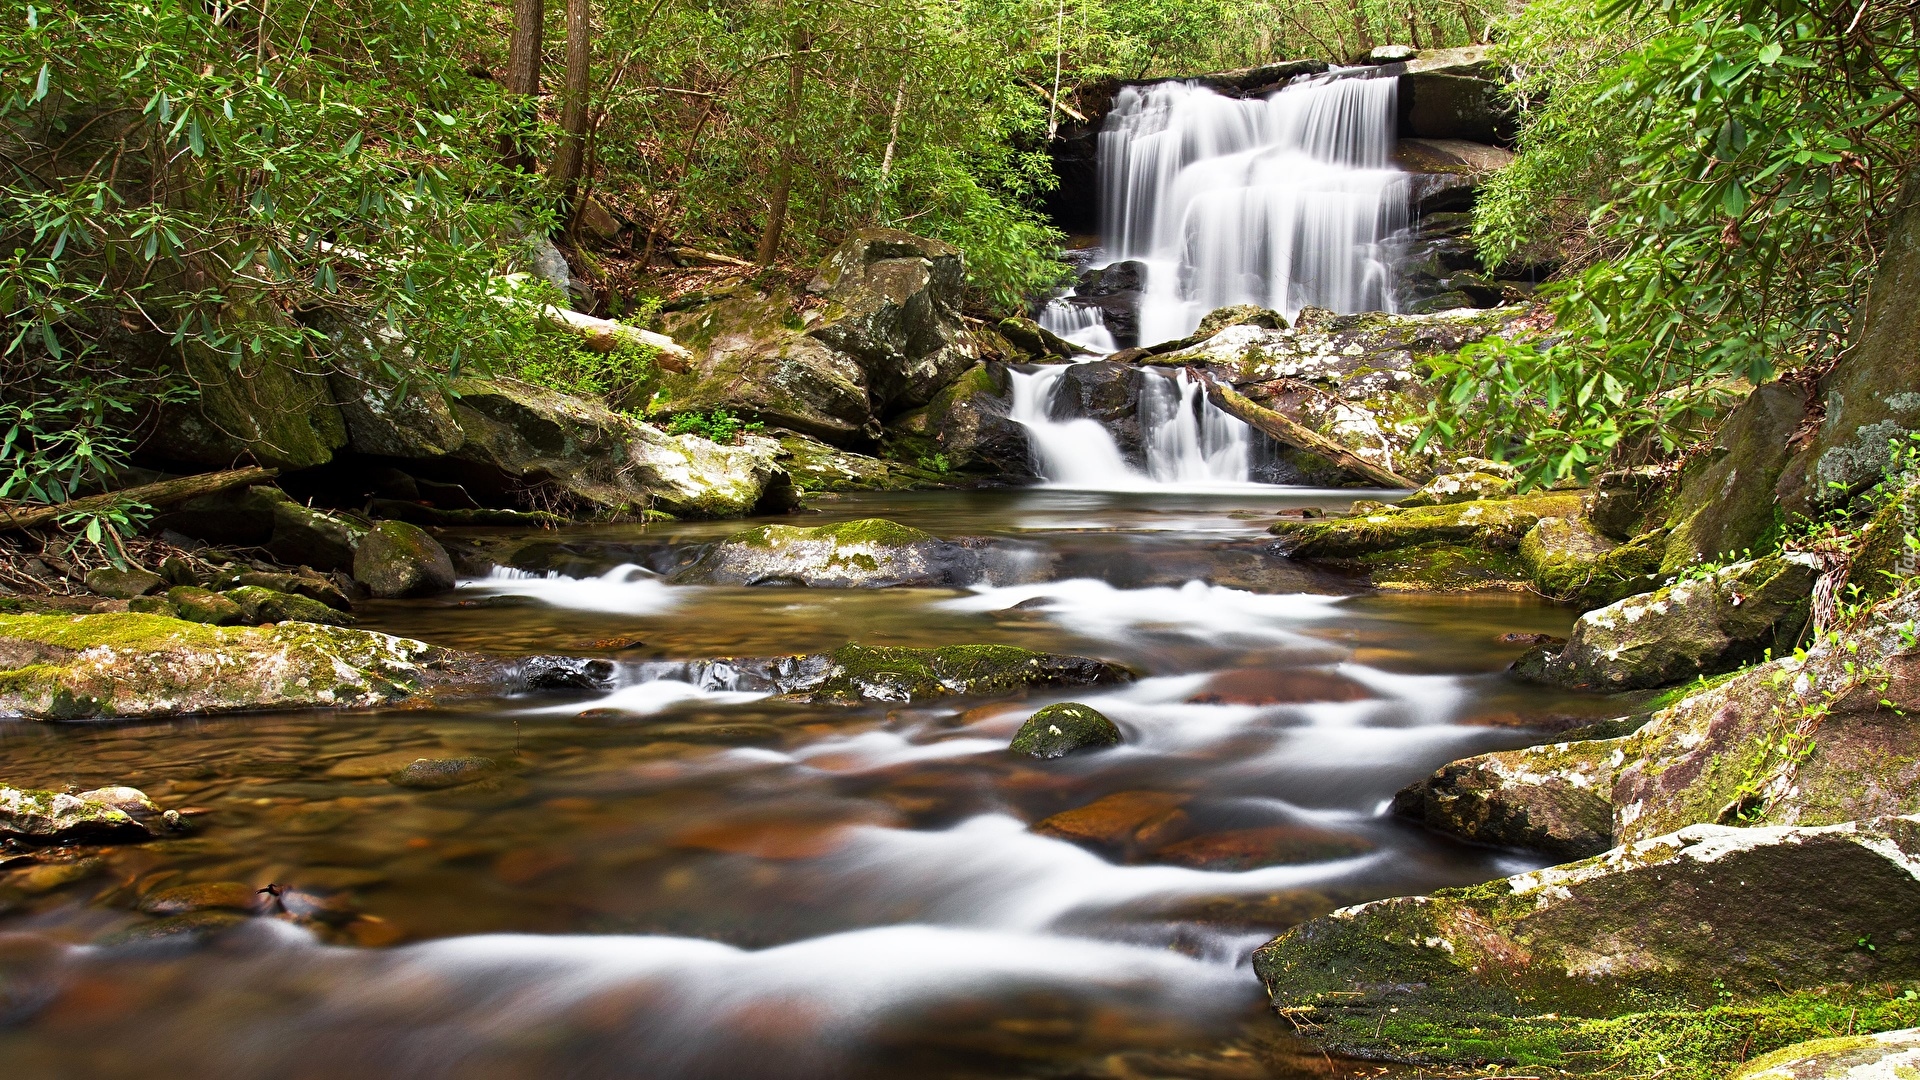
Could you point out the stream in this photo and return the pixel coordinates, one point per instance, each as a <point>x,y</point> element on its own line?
<point>678,881</point>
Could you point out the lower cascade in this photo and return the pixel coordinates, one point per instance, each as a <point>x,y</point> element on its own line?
<point>1184,440</point>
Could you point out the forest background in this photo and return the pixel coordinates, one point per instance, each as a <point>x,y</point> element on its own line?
<point>201,182</point>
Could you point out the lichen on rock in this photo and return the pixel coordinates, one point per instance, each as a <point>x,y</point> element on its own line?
<point>1061,729</point>
<point>1556,798</point>
<point>1493,523</point>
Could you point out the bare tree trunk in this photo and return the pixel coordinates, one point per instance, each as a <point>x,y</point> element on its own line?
<point>573,106</point>
<point>523,77</point>
<point>783,165</point>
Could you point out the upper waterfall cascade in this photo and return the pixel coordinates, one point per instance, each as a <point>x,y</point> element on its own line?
<point>1284,201</point>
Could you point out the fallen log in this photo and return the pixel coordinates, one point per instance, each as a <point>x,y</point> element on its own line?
<point>606,335</point>
<point>13,518</point>
<point>1227,400</point>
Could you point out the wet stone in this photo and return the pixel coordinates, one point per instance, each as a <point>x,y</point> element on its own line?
<point>433,773</point>
<point>1059,730</point>
<point>487,793</point>
<point>1114,820</point>
<point>190,928</point>
<point>206,896</point>
<point>1270,845</point>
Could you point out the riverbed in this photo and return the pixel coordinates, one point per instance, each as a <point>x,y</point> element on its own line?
<point>670,880</point>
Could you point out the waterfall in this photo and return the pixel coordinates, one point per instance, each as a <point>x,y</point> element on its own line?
<point>1189,444</point>
<point>1283,201</point>
<point>1078,324</point>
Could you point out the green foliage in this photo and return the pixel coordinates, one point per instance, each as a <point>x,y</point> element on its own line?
<point>1763,139</point>
<point>718,426</point>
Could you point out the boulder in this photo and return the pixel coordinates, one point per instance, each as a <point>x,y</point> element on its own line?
<point>396,559</point>
<point>309,585</point>
<point>1457,487</point>
<point>854,673</point>
<point>123,584</point>
<point>1455,94</point>
<point>894,306</point>
<point>104,815</point>
<point>1676,921</point>
<point>303,536</point>
<point>262,605</point>
<point>1445,173</point>
<point>134,666</point>
<point>817,466</point>
<point>1567,559</point>
<point>1555,799</point>
<point>1699,626</point>
<point>197,605</point>
<point>1491,523</point>
<point>1887,554</point>
<point>752,355</point>
<point>1059,730</point>
<point>1812,740</point>
<point>389,412</point>
<point>430,774</point>
<point>1619,502</point>
<point>242,517</point>
<point>1121,823</point>
<point>1886,1055</point>
<point>1725,506</point>
<point>1870,395</point>
<point>605,462</point>
<point>864,554</point>
<point>967,423</point>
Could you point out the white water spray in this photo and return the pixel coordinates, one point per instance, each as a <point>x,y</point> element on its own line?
<point>1188,442</point>
<point>1283,201</point>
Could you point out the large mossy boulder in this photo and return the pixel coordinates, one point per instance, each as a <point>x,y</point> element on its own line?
<point>1680,921</point>
<point>1725,505</point>
<point>1698,626</point>
<point>396,559</point>
<point>894,305</point>
<point>1556,798</point>
<point>1872,395</point>
<point>817,466</point>
<point>303,536</point>
<point>607,463</point>
<point>131,666</point>
<point>259,604</point>
<point>1886,1055</point>
<point>1061,729</point>
<point>1568,559</point>
<point>752,355</point>
<point>968,424</point>
<point>1491,523</point>
<point>1803,740</point>
<point>863,554</point>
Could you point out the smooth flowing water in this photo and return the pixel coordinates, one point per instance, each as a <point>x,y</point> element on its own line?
<point>675,880</point>
<point>1189,444</point>
<point>1283,201</point>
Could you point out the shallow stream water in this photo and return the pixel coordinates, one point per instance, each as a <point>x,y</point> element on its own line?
<point>673,881</point>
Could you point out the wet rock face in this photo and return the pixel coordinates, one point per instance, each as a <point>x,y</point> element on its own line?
<point>1109,394</point>
<point>868,553</point>
<point>1062,729</point>
<point>396,559</point>
<point>1455,94</point>
<point>896,310</point>
<point>1678,918</point>
<point>1699,626</point>
<point>128,666</point>
<point>1555,799</point>
<point>967,423</point>
<point>1791,742</point>
<point>102,815</point>
<point>1888,1055</point>
<point>856,673</point>
<point>1725,505</point>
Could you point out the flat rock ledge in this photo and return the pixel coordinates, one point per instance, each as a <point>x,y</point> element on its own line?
<point>1704,917</point>
<point>103,815</point>
<point>136,666</point>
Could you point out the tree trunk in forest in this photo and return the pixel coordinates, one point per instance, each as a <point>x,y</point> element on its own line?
<point>161,494</point>
<point>573,106</point>
<point>523,78</point>
<point>783,165</point>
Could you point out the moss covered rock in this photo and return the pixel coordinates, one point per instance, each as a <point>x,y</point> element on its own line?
<point>1804,740</point>
<point>1887,1055</point>
<point>52,817</point>
<point>303,536</point>
<point>1491,523</point>
<point>868,553</point>
<point>818,466</point>
<point>1442,567</point>
<point>198,605</point>
<point>861,673</point>
<point>1676,921</point>
<point>1887,554</point>
<point>124,584</point>
<point>127,666</point>
<point>894,306</point>
<point>1568,559</point>
<point>1730,616</point>
<point>1556,798</point>
<point>397,559</point>
<point>259,604</point>
<point>1457,487</point>
<point>1725,505</point>
<point>967,423</point>
<point>1059,730</point>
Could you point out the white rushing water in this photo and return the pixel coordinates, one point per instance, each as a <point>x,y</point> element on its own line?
<point>1283,201</point>
<point>1079,324</point>
<point>1188,444</point>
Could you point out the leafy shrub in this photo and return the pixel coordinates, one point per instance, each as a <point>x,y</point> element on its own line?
<point>718,426</point>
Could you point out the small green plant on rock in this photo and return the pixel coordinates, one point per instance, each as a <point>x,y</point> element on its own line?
<point>719,426</point>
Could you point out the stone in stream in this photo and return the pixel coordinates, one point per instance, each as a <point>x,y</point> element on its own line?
<point>105,814</point>
<point>198,605</point>
<point>263,605</point>
<point>855,673</point>
<point>1888,1055</point>
<point>1061,729</point>
<point>1266,845</point>
<point>123,584</point>
<point>1567,559</point>
<point>1120,820</point>
<point>1731,616</point>
<point>204,896</point>
<point>1490,523</point>
<point>434,773</point>
<point>396,559</point>
<point>868,553</point>
<point>1674,921</point>
<point>1555,799</point>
